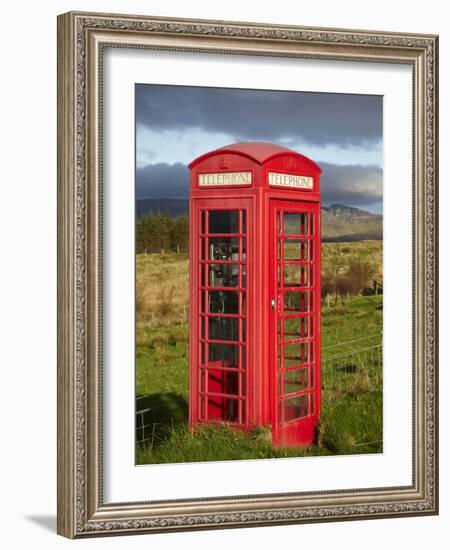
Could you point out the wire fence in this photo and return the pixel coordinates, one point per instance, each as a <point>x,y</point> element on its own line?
<point>353,366</point>
<point>350,367</point>
<point>144,426</point>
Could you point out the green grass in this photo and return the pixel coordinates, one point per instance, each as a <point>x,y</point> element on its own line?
<point>360,316</point>
<point>214,442</point>
<point>162,360</point>
<point>353,424</point>
<point>351,420</point>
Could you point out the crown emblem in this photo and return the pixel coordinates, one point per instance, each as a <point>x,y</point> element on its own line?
<point>290,164</point>
<point>225,162</point>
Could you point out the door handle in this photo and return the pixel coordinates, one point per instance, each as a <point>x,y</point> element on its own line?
<point>273,303</point>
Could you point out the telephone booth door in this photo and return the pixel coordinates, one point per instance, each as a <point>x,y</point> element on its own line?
<point>294,275</point>
<point>221,279</point>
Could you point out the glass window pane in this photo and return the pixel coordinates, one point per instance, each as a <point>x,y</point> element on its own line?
<point>297,354</point>
<point>224,275</point>
<point>310,228</point>
<point>296,328</point>
<point>222,409</point>
<point>244,221</point>
<point>223,328</point>
<point>279,228</point>
<point>202,249</point>
<point>220,381</point>
<point>223,355</point>
<point>296,407</point>
<point>202,221</point>
<point>243,409</point>
<point>202,275</point>
<point>202,327</point>
<point>202,353</point>
<point>296,249</point>
<point>292,223</point>
<point>297,302</point>
<point>243,357</point>
<point>223,301</point>
<point>295,380</point>
<point>223,248</point>
<point>296,275</point>
<point>223,221</point>
<point>296,223</point>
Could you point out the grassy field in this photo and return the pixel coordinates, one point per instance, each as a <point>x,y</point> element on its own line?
<point>351,420</point>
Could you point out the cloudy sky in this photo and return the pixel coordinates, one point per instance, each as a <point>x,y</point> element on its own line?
<point>341,132</point>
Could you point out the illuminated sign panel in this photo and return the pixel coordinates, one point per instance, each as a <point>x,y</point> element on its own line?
<point>290,180</point>
<point>225,178</point>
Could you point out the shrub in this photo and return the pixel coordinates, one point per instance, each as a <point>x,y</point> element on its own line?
<point>360,272</point>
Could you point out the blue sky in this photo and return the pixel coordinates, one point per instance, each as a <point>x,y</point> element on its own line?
<point>341,132</point>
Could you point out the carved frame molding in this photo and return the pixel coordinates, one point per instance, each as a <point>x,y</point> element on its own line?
<point>81,39</point>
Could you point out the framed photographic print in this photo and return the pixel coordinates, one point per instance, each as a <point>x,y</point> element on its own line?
<point>247,284</point>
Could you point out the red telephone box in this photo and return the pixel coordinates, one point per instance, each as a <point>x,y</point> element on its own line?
<point>255,291</point>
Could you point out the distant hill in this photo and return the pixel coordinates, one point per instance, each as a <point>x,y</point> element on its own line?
<point>339,223</point>
<point>346,223</point>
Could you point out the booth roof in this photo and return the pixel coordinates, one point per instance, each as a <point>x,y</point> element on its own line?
<point>258,151</point>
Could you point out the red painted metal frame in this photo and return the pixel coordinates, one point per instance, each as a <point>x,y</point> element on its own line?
<point>300,430</point>
<point>257,384</point>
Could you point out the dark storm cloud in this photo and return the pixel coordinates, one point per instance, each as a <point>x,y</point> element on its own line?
<point>316,118</point>
<point>347,185</point>
<point>351,185</point>
<point>169,181</point>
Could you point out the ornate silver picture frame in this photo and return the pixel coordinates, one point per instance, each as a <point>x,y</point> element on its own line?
<point>82,40</point>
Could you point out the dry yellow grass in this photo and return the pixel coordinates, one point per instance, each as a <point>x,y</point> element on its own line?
<point>162,285</point>
<point>162,292</point>
<point>341,253</point>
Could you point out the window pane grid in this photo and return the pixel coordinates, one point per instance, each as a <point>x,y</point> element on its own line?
<point>223,317</point>
<point>296,407</point>
<point>295,268</point>
<point>240,255</point>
